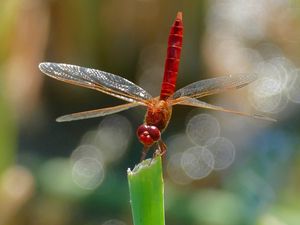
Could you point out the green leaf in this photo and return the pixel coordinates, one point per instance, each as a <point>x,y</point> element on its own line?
<point>147,193</point>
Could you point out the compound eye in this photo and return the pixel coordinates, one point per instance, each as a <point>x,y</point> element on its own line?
<point>148,134</point>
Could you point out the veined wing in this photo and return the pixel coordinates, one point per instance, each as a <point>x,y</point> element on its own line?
<point>197,103</point>
<point>215,85</point>
<point>96,112</point>
<point>98,80</point>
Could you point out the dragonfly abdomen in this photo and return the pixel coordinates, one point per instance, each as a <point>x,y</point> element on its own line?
<point>173,58</point>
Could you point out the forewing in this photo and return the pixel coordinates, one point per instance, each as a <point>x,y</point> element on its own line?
<point>215,85</point>
<point>96,112</point>
<point>197,103</point>
<point>95,79</point>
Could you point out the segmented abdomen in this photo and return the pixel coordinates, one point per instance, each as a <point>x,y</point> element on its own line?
<point>173,58</point>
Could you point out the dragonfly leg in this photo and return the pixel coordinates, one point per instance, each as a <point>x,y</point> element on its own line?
<point>144,153</point>
<point>161,150</point>
<point>162,147</point>
<point>155,154</point>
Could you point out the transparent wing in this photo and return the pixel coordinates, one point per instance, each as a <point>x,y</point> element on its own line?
<point>215,85</point>
<point>98,80</point>
<point>197,103</point>
<point>96,112</point>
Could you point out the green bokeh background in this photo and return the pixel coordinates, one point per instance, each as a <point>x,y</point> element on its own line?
<point>261,187</point>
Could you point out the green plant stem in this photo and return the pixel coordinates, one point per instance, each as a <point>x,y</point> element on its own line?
<point>147,193</point>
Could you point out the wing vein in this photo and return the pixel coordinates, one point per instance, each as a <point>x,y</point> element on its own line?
<point>98,80</point>
<point>216,85</point>
<point>96,112</point>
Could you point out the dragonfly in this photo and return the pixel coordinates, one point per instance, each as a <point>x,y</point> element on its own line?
<point>159,109</point>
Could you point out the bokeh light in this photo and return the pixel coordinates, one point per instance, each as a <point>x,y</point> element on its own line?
<point>59,171</point>
<point>111,139</point>
<point>270,93</point>
<point>202,127</point>
<point>197,162</point>
<point>266,95</point>
<point>177,143</point>
<point>176,171</point>
<point>195,154</point>
<point>223,152</point>
<point>98,148</point>
<point>11,179</point>
<point>113,136</point>
<point>294,91</point>
<point>88,173</point>
<point>86,151</point>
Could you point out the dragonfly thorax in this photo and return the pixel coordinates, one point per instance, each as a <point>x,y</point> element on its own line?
<point>158,114</point>
<point>148,134</point>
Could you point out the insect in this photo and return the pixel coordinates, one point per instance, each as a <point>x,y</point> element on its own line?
<point>159,109</point>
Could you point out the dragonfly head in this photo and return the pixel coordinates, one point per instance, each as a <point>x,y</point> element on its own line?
<point>148,134</point>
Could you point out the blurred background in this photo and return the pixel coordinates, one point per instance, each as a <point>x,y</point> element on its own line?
<point>220,169</point>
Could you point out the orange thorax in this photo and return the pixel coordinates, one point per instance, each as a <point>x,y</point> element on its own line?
<point>158,114</point>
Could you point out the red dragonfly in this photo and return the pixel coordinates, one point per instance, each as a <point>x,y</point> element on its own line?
<point>159,109</point>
